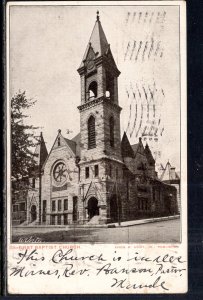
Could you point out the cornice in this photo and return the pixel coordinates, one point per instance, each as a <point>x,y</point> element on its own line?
<point>97,101</point>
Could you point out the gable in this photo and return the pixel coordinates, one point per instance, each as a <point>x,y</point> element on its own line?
<point>90,54</point>
<point>93,190</point>
<point>138,148</point>
<point>62,143</point>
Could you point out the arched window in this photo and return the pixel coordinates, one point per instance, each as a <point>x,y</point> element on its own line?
<point>91,133</point>
<point>111,128</point>
<point>107,94</point>
<point>92,90</point>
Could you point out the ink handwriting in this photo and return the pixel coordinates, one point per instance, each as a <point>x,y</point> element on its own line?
<point>122,272</point>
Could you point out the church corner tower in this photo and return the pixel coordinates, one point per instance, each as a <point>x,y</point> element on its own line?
<point>100,142</point>
<point>99,109</point>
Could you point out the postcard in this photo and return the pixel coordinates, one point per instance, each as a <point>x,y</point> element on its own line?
<point>96,147</point>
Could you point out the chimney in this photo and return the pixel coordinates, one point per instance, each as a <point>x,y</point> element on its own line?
<point>172,173</point>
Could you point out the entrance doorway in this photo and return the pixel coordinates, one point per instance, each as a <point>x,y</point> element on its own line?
<point>92,207</point>
<point>33,213</point>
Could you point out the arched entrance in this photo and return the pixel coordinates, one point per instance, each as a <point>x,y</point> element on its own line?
<point>33,212</point>
<point>92,207</point>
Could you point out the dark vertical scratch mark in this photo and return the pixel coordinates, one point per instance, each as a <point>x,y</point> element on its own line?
<point>130,108</point>
<point>147,111</point>
<point>140,45</point>
<point>155,132</point>
<point>145,93</point>
<point>163,17</point>
<point>150,131</point>
<point>152,15</point>
<point>140,121</point>
<point>140,15</point>
<point>135,120</point>
<point>134,15</point>
<point>144,131</point>
<point>127,18</point>
<point>134,95</point>
<point>151,93</point>
<point>128,46</point>
<point>138,91</point>
<point>154,113</point>
<point>157,48</point>
<point>159,120</point>
<point>134,46</point>
<point>154,92</point>
<point>133,91</point>
<point>151,48</point>
<point>129,118</point>
<point>135,114</point>
<point>145,48</point>
<point>157,19</point>
<point>162,131</point>
<point>146,15</point>
<point>127,93</point>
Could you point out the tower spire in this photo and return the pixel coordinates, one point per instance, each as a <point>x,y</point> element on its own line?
<point>97,15</point>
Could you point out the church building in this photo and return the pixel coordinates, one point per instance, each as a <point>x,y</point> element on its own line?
<point>97,177</point>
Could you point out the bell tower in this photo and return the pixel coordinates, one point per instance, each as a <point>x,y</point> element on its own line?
<point>99,109</point>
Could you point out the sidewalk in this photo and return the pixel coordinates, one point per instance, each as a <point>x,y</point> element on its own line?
<point>109,225</point>
<point>142,221</point>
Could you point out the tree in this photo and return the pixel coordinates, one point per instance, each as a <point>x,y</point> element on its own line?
<point>22,137</point>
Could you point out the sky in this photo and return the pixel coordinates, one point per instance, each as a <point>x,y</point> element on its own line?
<point>47,44</point>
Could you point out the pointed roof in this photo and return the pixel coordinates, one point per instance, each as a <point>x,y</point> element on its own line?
<point>135,147</point>
<point>126,149</point>
<point>98,41</point>
<point>169,173</point>
<point>76,139</point>
<point>166,172</point>
<point>149,155</point>
<point>138,147</point>
<point>71,144</point>
<point>74,144</point>
<point>40,153</point>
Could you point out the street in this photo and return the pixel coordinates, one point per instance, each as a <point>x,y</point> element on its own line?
<point>157,232</point>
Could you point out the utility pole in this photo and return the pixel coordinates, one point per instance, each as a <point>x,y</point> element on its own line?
<point>40,193</point>
<point>83,200</point>
<point>40,182</point>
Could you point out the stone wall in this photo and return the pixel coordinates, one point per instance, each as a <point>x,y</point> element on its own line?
<point>70,188</point>
<point>95,153</point>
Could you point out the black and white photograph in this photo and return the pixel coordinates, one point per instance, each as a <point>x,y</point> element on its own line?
<point>95,123</point>
<point>96,115</point>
